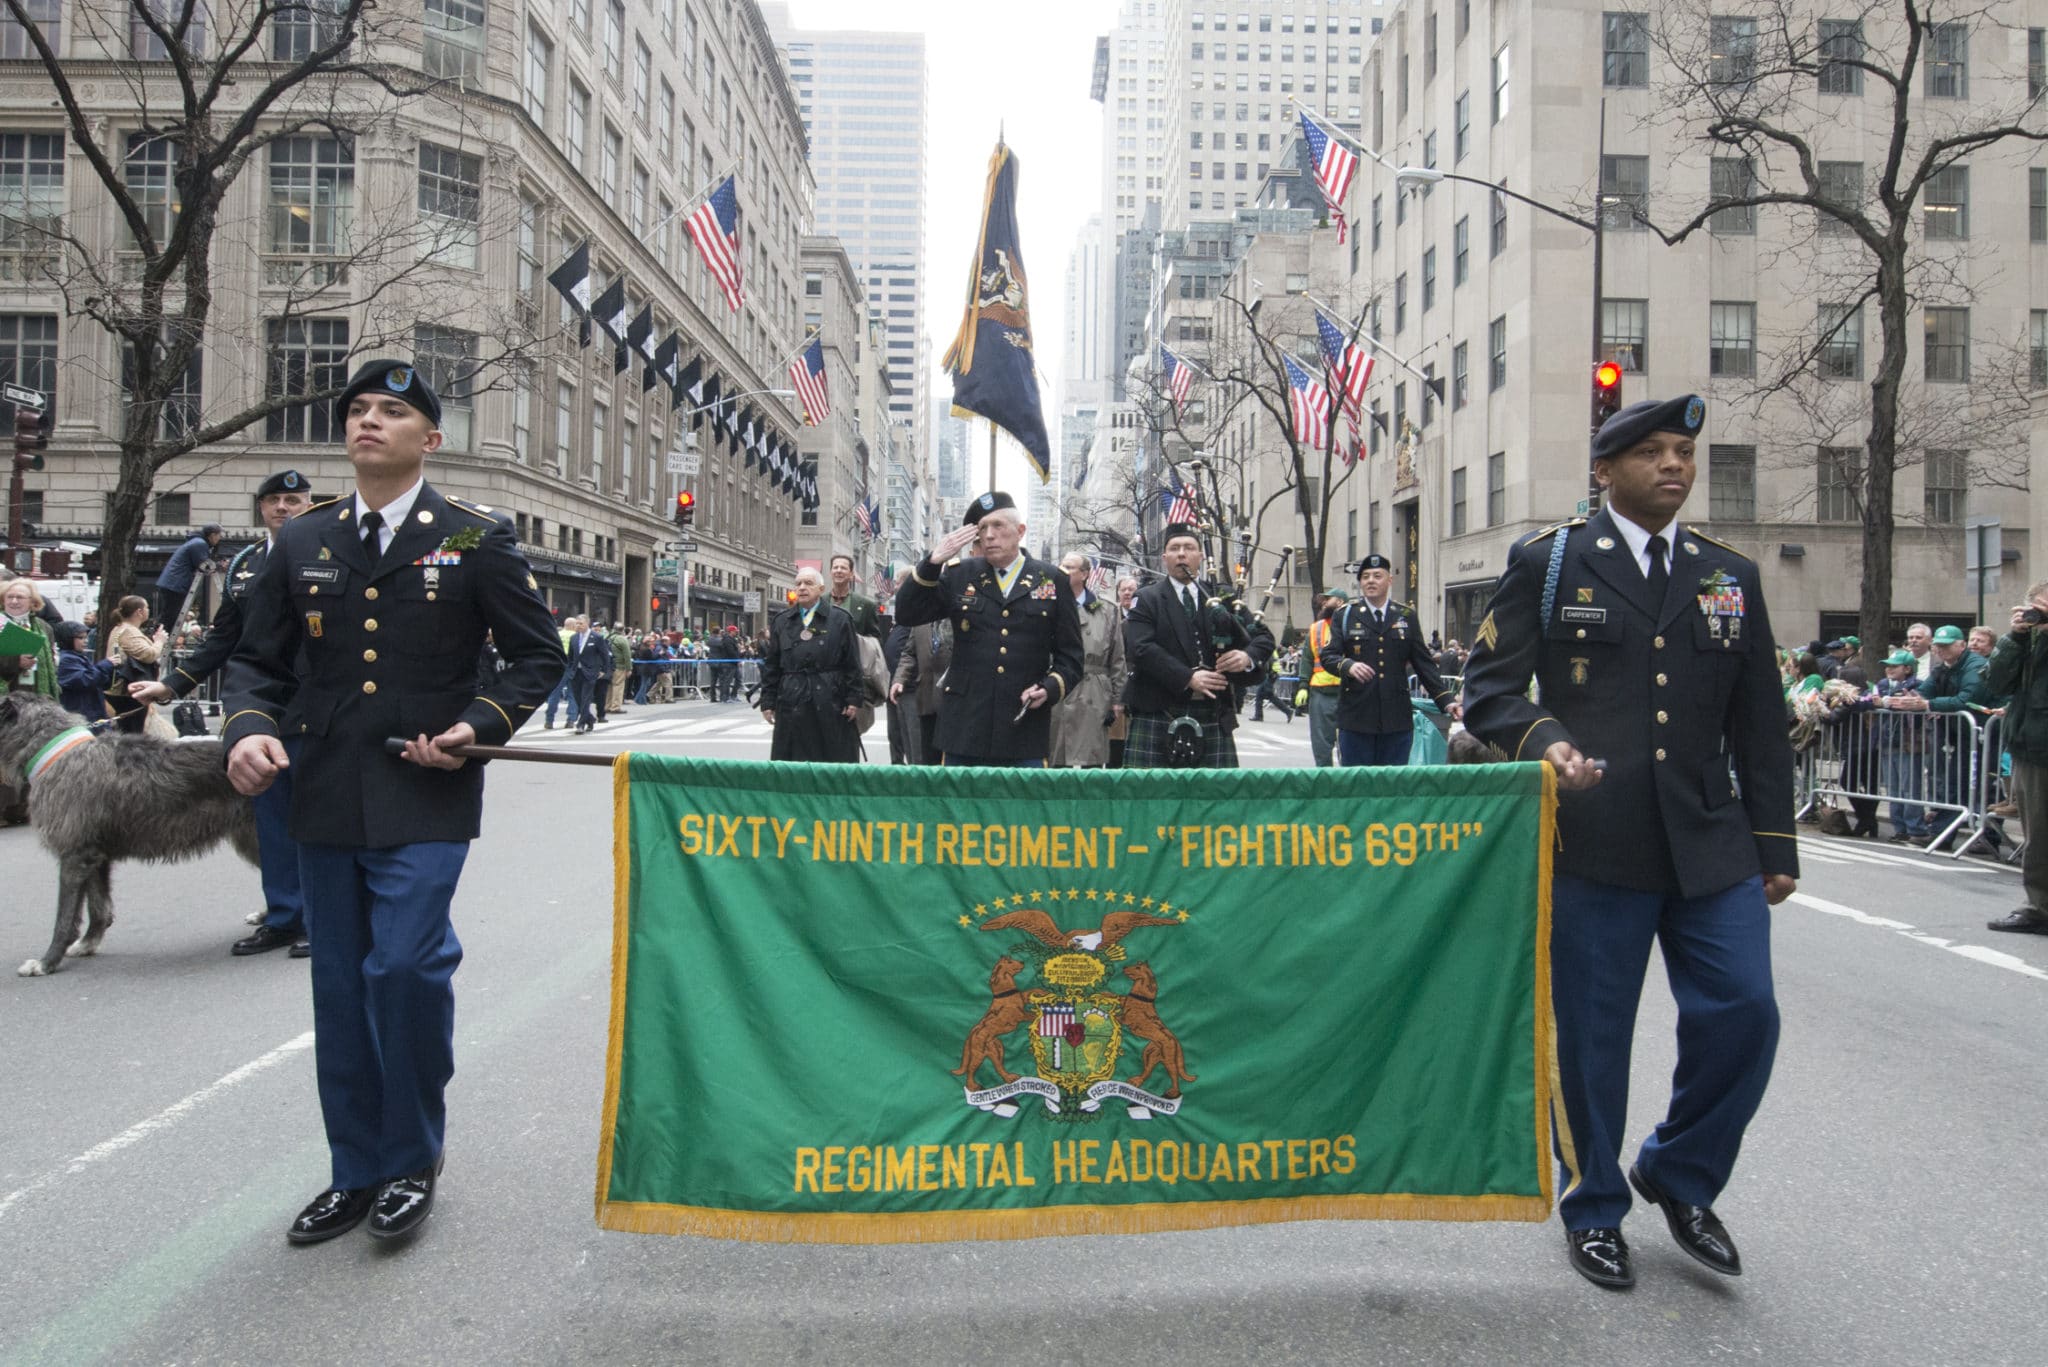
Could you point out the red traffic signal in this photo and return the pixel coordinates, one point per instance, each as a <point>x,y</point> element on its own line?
<point>656,602</point>
<point>1606,392</point>
<point>686,508</point>
<point>29,440</point>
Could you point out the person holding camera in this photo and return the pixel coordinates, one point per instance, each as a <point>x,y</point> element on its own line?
<point>2019,669</point>
<point>1081,721</point>
<point>1187,652</point>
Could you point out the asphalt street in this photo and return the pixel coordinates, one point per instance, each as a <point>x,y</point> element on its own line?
<point>158,1130</point>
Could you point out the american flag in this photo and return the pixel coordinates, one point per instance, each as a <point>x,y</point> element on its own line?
<point>807,373</point>
<point>1098,578</point>
<point>715,227</point>
<point>1309,405</point>
<point>1179,499</point>
<point>1336,164</point>
<point>1053,1020</point>
<point>867,515</point>
<point>1180,376</point>
<point>1350,370</point>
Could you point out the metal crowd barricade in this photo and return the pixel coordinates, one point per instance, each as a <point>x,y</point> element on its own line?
<point>1929,765</point>
<point>1994,785</point>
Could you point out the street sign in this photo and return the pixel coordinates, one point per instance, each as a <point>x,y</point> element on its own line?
<point>666,567</point>
<point>686,546</point>
<point>684,463</point>
<point>750,601</point>
<point>1583,505</point>
<point>24,398</point>
<point>1983,550</point>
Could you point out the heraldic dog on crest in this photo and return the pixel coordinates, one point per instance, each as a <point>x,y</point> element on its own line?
<point>109,798</point>
<point>1078,1032</point>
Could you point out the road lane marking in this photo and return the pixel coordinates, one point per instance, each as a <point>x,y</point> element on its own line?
<point>1832,849</point>
<point>2011,963</point>
<point>162,1120</point>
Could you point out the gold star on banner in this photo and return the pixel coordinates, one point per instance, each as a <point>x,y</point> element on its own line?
<point>999,904</point>
<point>1037,896</point>
<point>1146,903</point>
<point>981,909</point>
<point>1166,908</point>
<point>1130,899</point>
<point>1073,894</point>
<point>1183,913</point>
<point>1016,899</point>
<point>1090,894</point>
<point>1054,895</point>
<point>966,921</point>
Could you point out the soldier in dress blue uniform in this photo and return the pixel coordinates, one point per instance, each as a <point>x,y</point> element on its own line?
<point>1373,643</point>
<point>1016,638</point>
<point>366,623</point>
<point>1652,651</point>
<point>279,499</point>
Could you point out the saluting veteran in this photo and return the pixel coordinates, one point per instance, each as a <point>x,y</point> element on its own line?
<point>366,623</point>
<point>1653,652</point>
<point>1016,638</point>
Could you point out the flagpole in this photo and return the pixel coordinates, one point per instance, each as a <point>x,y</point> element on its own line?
<point>1378,345</point>
<point>695,199</point>
<point>991,454</point>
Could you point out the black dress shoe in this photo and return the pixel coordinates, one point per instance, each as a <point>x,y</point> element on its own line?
<point>403,1204</point>
<point>336,1210</point>
<point>1697,1229</point>
<point>1601,1257</point>
<point>261,939</point>
<point>2025,920</point>
<point>302,948</point>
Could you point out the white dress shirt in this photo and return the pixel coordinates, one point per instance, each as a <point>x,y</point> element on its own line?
<point>394,513</point>
<point>1638,539</point>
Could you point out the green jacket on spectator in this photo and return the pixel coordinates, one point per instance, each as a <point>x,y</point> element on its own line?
<point>2019,668</point>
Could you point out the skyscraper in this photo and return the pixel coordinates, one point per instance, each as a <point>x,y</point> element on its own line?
<point>863,98</point>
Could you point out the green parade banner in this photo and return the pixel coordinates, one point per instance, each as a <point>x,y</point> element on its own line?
<point>872,1004</point>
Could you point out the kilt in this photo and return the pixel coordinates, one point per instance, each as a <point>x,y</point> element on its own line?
<point>1147,746</point>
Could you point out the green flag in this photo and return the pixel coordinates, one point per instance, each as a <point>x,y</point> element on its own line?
<point>865,1004</point>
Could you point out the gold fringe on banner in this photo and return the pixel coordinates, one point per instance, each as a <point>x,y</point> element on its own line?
<point>622,902</point>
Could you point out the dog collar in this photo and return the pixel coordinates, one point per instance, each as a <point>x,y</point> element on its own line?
<point>62,743</point>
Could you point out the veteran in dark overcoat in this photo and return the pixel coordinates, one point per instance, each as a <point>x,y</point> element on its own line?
<point>1652,652</point>
<point>1016,638</point>
<point>810,678</point>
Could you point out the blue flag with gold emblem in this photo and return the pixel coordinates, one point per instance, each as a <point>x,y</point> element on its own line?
<point>994,376</point>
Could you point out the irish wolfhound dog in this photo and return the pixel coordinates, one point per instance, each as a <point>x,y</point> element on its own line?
<point>111,798</point>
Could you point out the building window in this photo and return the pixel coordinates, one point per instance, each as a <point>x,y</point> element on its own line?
<point>312,195</point>
<point>1731,483</point>
<point>1731,50</point>
<point>1428,394</point>
<point>1461,127</point>
<point>1497,241</point>
<point>145,46</point>
<point>31,187</point>
<point>301,28</point>
<point>2037,348</point>
<point>576,124</point>
<point>1428,48</point>
<point>28,351</point>
<point>172,510</point>
<point>1840,184</point>
<point>1948,61</point>
<point>1374,426</point>
<point>615,40</point>
<point>1840,355</point>
<point>1461,252</point>
<point>447,358</point>
<point>152,161</point>
<point>1497,353</point>
<point>1948,345</point>
<point>610,148</point>
<point>306,356</point>
<point>1624,193</point>
<point>1841,43</point>
<point>1458,502</point>
<point>1376,218</point>
<point>1947,485</point>
<point>1461,378</point>
<point>452,39</point>
<point>636,206</point>
<point>565,414</point>
<point>1732,178</point>
<point>1400,302</point>
<point>1625,50</point>
<point>665,122</point>
<point>2037,60</point>
<point>1837,474</point>
<point>1731,340</point>
<point>451,206</point>
<point>643,82</point>
<point>540,55</point>
<point>1945,205</point>
<point>529,244</point>
<point>1500,84</point>
<point>1428,279</point>
<point>522,422</point>
<point>1625,333</point>
<point>2037,203</point>
<point>1496,488</point>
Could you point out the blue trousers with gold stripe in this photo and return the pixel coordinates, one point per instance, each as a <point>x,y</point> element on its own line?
<point>384,959</point>
<point>1717,955</point>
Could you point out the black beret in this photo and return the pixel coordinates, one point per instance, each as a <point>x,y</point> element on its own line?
<point>1173,529</point>
<point>1684,415</point>
<point>1375,562</point>
<point>285,482</point>
<point>399,379</point>
<point>987,503</point>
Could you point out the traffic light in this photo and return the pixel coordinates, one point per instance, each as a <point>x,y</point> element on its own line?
<point>686,508</point>
<point>655,603</point>
<point>1606,392</point>
<point>29,440</point>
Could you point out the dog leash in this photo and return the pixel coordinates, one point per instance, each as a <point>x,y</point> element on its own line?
<point>63,743</point>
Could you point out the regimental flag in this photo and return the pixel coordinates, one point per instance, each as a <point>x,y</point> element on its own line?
<point>689,384</point>
<point>1335,164</point>
<point>665,355</point>
<point>747,434</point>
<point>639,338</point>
<point>1308,403</point>
<point>807,374</point>
<point>956,1053</point>
<point>610,310</point>
<point>867,515</point>
<point>1350,368</point>
<point>991,359</point>
<point>708,401</point>
<point>571,280</point>
<point>1180,377</point>
<point>715,227</point>
<point>1181,501</point>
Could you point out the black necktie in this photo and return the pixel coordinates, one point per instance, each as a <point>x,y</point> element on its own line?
<point>373,523</point>
<point>1660,573</point>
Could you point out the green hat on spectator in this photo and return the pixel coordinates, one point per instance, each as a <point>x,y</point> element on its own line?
<point>1855,641</point>
<point>1901,657</point>
<point>1948,636</point>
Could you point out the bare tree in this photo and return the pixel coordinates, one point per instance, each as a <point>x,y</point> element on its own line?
<point>203,89</point>
<point>1759,95</point>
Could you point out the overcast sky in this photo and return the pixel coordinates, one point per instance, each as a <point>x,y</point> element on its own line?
<point>1023,69</point>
